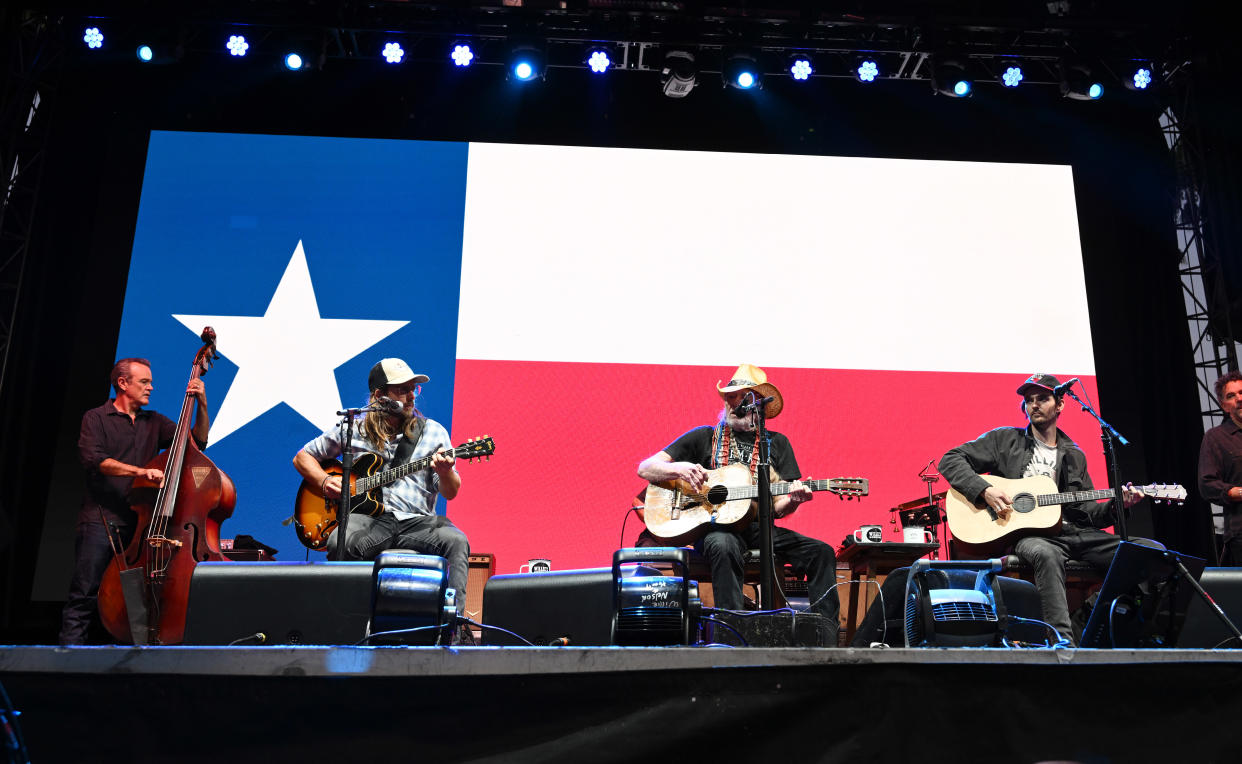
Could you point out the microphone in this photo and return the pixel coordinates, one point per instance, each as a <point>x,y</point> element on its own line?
<point>388,406</point>
<point>1064,387</point>
<point>746,408</point>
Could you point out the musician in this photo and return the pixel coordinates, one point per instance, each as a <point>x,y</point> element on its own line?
<point>1220,464</point>
<point>116,441</point>
<point>732,440</point>
<point>409,519</point>
<point>1041,448</point>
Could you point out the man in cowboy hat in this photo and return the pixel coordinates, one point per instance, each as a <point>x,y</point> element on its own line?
<point>1040,448</point>
<point>732,441</point>
<point>395,429</point>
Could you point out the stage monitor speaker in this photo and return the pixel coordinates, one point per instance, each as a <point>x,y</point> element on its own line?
<point>289,603</point>
<point>570,605</point>
<point>1203,627</point>
<point>1143,600</point>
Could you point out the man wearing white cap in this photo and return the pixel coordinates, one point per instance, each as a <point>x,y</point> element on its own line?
<point>409,519</point>
<point>731,441</point>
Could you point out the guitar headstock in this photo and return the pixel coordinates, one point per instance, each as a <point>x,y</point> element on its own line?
<point>848,488</point>
<point>1158,492</point>
<point>476,448</point>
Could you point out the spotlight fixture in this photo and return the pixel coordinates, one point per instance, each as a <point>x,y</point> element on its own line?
<point>598,60</point>
<point>526,63</point>
<point>1078,82</point>
<point>1142,77</point>
<point>294,61</point>
<point>800,67</point>
<point>145,53</point>
<point>393,52</point>
<point>237,45</point>
<point>1011,74</point>
<point>679,74</point>
<point>741,71</point>
<point>462,54</point>
<point>866,69</point>
<point>93,38</point>
<point>949,77</point>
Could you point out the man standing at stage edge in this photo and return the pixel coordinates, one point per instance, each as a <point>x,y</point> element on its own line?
<point>1220,465</point>
<point>117,440</point>
<point>732,441</point>
<point>1041,448</point>
<point>396,430</point>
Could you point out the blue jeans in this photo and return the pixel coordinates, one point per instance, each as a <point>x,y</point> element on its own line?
<point>425,534</point>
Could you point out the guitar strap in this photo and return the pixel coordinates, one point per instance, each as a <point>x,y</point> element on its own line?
<point>406,447</point>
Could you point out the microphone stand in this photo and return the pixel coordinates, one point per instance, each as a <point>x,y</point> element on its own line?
<point>1108,434</point>
<point>347,465</point>
<point>767,577</point>
<point>930,476</point>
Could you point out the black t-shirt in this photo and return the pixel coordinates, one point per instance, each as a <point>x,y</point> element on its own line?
<point>696,446</point>
<point>109,434</point>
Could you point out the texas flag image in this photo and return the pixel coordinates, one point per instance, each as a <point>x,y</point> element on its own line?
<point>579,306</point>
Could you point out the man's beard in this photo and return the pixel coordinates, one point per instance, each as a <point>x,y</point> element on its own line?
<point>740,424</point>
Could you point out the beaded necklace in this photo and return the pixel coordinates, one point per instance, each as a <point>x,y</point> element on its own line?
<point>726,451</point>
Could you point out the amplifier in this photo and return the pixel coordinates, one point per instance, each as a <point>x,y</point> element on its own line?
<point>770,630</point>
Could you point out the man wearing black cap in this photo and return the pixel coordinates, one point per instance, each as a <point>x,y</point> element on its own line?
<point>1041,448</point>
<point>731,441</point>
<point>409,519</point>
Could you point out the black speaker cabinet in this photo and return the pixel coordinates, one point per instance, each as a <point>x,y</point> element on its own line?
<point>1203,627</point>
<point>290,603</point>
<point>770,630</point>
<point>575,605</point>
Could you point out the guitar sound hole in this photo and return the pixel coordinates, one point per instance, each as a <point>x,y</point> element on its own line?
<point>1023,502</point>
<point>717,494</point>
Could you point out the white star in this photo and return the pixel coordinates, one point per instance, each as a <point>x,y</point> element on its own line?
<point>288,355</point>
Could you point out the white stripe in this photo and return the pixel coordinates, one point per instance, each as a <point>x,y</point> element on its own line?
<point>643,256</point>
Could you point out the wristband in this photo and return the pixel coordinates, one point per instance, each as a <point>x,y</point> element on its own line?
<point>323,487</point>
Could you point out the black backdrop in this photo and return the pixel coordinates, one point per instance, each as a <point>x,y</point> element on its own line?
<point>101,114</point>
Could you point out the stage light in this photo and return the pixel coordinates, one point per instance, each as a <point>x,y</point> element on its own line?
<point>949,77</point>
<point>1079,83</point>
<point>237,45</point>
<point>462,55</point>
<point>145,54</point>
<point>1142,78</point>
<point>1012,75</point>
<point>866,70</point>
<point>800,67</point>
<point>93,38</point>
<point>599,60</point>
<point>293,62</point>
<point>393,52</point>
<point>526,63</point>
<point>679,74</point>
<point>741,71</point>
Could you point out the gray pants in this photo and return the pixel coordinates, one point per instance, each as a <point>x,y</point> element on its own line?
<point>425,534</point>
<point>1048,555</point>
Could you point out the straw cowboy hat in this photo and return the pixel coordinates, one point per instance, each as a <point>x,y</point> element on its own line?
<point>749,377</point>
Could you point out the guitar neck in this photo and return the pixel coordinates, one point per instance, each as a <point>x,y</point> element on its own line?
<point>778,489</point>
<point>1069,498</point>
<point>362,485</point>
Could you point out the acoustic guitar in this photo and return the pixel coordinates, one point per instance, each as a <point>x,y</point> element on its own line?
<point>678,515</point>
<point>1036,511</point>
<point>314,515</point>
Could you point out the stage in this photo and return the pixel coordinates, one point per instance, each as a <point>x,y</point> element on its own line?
<point>611,704</point>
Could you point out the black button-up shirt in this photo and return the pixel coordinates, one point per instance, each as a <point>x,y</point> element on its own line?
<point>1220,462</point>
<point>110,434</point>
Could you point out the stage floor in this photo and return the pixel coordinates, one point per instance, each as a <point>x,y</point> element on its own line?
<point>554,704</point>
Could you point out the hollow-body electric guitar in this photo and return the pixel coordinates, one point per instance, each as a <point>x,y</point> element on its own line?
<point>1036,511</point>
<point>314,515</point>
<point>677,514</point>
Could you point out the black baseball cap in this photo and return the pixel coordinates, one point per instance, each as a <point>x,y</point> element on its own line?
<point>1045,381</point>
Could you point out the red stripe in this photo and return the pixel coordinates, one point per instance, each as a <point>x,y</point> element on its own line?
<point>569,438</point>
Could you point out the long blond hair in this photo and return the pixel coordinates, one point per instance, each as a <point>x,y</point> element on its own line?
<point>378,428</point>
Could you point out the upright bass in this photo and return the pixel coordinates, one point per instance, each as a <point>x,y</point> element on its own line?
<point>143,594</point>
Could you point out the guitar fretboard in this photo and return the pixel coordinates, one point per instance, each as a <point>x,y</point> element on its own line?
<point>1068,498</point>
<point>362,485</point>
<point>778,489</point>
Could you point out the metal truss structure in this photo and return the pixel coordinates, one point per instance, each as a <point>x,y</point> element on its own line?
<point>29,49</point>
<point>1212,339</point>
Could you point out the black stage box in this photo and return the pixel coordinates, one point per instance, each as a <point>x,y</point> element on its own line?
<point>769,630</point>
<point>1203,627</point>
<point>290,603</point>
<point>575,605</point>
